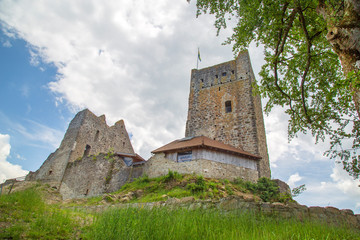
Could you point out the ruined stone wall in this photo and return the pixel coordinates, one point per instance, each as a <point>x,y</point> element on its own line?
<point>243,126</point>
<point>95,175</point>
<point>87,134</point>
<point>158,165</point>
<point>98,137</point>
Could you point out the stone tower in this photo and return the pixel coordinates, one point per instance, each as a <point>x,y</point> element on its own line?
<point>87,134</point>
<point>223,107</point>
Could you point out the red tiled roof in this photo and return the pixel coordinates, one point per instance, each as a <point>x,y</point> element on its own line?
<point>203,142</point>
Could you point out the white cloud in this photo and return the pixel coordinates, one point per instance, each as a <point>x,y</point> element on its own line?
<point>339,191</point>
<point>143,72</point>
<point>345,183</point>
<point>293,179</point>
<point>131,60</point>
<point>7,44</point>
<point>279,145</point>
<point>8,170</point>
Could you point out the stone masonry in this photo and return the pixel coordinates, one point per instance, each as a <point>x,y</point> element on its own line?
<point>94,175</point>
<point>223,107</point>
<point>86,135</point>
<point>158,165</point>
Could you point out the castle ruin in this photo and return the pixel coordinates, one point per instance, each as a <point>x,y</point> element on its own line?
<point>225,138</point>
<point>86,136</point>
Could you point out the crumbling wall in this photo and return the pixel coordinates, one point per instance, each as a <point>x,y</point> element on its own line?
<point>212,91</point>
<point>86,135</point>
<point>158,165</point>
<point>94,175</point>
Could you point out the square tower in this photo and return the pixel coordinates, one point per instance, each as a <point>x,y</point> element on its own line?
<point>223,107</point>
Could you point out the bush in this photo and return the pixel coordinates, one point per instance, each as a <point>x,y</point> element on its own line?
<point>198,186</point>
<point>172,175</point>
<point>267,189</point>
<point>143,179</point>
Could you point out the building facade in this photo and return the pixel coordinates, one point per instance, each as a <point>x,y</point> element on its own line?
<point>223,107</point>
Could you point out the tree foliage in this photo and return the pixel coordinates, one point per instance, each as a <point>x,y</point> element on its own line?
<point>304,53</point>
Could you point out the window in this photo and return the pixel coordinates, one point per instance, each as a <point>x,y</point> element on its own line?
<point>216,76</point>
<point>184,156</point>
<point>232,71</point>
<point>228,106</point>
<point>224,74</point>
<point>87,151</point>
<point>96,136</point>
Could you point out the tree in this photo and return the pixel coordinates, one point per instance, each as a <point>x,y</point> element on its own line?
<point>312,54</point>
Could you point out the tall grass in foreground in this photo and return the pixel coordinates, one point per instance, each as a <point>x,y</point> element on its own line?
<point>163,223</point>
<point>24,215</point>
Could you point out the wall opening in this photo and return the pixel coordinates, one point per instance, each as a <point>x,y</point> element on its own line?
<point>87,150</point>
<point>96,135</point>
<point>224,74</point>
<point>228,106</point>
<point>87,192</point>
<point>50,172</point>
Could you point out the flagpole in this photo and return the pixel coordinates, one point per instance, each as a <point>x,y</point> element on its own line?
<point>197,60</point>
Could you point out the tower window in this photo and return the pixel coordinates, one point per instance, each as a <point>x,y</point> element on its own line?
<point>228,106</point>
<point>224,74</point>
<point>216,76</point>
<point>233,72</point>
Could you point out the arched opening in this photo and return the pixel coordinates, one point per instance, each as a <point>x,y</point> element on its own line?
<point>87,150</point>
<point>228,106</point>
<point>96,135</point>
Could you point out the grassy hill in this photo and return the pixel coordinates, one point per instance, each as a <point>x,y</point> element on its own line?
<point>38,212</point>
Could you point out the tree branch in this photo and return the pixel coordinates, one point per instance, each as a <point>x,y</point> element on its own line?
<point>308,61</point>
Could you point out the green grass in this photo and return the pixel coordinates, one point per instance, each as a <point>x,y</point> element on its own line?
<point>163,223</point>
<point>25,215</point>
<point>176,185</point>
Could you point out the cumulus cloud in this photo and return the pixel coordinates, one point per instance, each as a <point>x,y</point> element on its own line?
<point>339,190</point>
<point>8,170</point>
<point>293,179</point>
<point>129,60</point>
<point>345,183</point>
<point>280,145</point>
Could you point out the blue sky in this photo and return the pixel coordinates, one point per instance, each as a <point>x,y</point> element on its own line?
<point>28,112</point>
<point>128,60</point>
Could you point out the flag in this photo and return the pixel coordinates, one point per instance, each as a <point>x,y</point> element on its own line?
<point>199,55</point>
